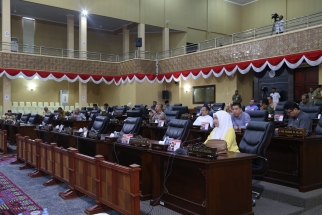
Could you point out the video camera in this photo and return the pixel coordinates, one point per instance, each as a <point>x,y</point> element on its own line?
<point>264,89</point>
<point>275,16</point>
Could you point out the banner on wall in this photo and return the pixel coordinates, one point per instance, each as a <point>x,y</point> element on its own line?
<point>313,58</point>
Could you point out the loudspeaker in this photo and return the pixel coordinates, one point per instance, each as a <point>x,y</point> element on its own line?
<point>165,94</point>
<point>138,42</point>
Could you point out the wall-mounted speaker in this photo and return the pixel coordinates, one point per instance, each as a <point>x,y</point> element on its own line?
<point>138,42</point>
<point>165,94</point>
<point>176,82</point>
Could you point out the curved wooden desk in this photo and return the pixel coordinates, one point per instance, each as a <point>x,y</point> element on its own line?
<point>196,185</point>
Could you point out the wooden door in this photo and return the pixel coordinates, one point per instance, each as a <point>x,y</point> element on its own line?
<point>304,78</point>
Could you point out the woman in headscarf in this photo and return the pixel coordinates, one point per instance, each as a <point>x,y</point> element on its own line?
<point>224,130</point>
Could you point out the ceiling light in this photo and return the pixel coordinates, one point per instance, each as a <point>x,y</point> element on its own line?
<point>84,12</point>
<point>28,18</point>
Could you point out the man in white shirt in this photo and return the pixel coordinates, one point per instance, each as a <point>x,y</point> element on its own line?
<point>204,117</point>
<point>275,95</point>
<point>279,25</point>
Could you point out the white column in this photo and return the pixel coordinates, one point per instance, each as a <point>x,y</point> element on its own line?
<point>6,90</point>
<point>165,42</point>
<point>126,40</point>
<point>82,92</point>
<point>82,36</point>
<point>141,34</point>
<point>6,26</point>
<point>165,39</point>
<point>70,35</point>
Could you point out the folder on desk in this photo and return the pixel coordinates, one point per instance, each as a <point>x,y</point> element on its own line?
<point>174,145</point>
<point>278,117</point>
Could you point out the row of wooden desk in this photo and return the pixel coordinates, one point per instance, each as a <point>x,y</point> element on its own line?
<point>204,186</point>
<point>165,174</point>
<point>293,162</point>
<point>211,182</point>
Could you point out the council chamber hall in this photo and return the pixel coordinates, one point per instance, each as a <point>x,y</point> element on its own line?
<point>161,107</point>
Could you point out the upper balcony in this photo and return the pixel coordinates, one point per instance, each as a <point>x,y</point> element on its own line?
<point>300,35</point>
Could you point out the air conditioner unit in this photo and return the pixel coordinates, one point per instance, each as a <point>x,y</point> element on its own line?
<point>14,44</point>
<point>63,98</point>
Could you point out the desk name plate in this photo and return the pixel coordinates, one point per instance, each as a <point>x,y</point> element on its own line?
<point>185,116</point>
<point>47,127</point>
<point>142,142</point>
<point>94,135</point>
<point>292,132</point>
<point>201,150</point>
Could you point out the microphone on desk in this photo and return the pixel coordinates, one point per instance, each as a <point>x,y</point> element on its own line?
<point>181,150</point>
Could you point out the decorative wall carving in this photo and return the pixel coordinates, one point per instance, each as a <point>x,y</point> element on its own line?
<point>56,64</point>
<point>283,44</point>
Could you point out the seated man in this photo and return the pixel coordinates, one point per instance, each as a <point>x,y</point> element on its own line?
<point>297,118</point>
<point>108,109</point>
<point>168,106</point>
<point>61,113</point>
<point>204,117</point>
<point>306,102</point>
<point>251,105</point>
<point>95,107</point>
<point>78,115</point>
<point>9,116</point>
<point>153,106</point>
<point>157,114</point>
<point>265,106</point>
<point>239,118</point>
<point>46,111</point>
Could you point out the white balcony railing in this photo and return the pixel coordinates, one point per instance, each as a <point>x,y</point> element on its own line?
<point>290,25</point>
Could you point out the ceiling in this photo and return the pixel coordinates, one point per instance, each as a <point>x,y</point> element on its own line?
<point>58,15</point>
<point>241,2</point>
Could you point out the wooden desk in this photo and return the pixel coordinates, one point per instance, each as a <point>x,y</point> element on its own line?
<point>23,130</point>
<point>114,127</point>
<point>63,140</point>
<point>195,133</point>
<point>295,162</point>
<point>203,186</point>
<point>71,123</point>
<point>91,147</point>
<point>45,136</point>
<point>156,133</point>
<point>128,155</point>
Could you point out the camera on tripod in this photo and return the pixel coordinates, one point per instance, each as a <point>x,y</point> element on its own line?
<point>275,16</point>
<point>264,89</point>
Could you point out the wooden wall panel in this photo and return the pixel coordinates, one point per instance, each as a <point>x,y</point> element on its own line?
<point>304,78</point>
<point>283,82</point>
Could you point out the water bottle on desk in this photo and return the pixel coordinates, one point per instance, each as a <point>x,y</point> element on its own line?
<point>45,212</point>
<point>167,140</point>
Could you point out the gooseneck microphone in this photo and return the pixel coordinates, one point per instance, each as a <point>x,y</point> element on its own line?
<point>181,150</point>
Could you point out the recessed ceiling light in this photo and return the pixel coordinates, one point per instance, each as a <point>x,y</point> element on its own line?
<point>84,12</point>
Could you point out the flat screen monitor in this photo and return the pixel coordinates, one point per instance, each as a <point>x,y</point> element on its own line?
<point>202,94</point>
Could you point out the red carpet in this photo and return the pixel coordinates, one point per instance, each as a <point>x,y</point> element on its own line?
<point>7,159</point>
<point>13,200</point>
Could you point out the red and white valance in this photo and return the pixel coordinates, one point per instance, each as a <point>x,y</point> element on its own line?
<point>313,58</point>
